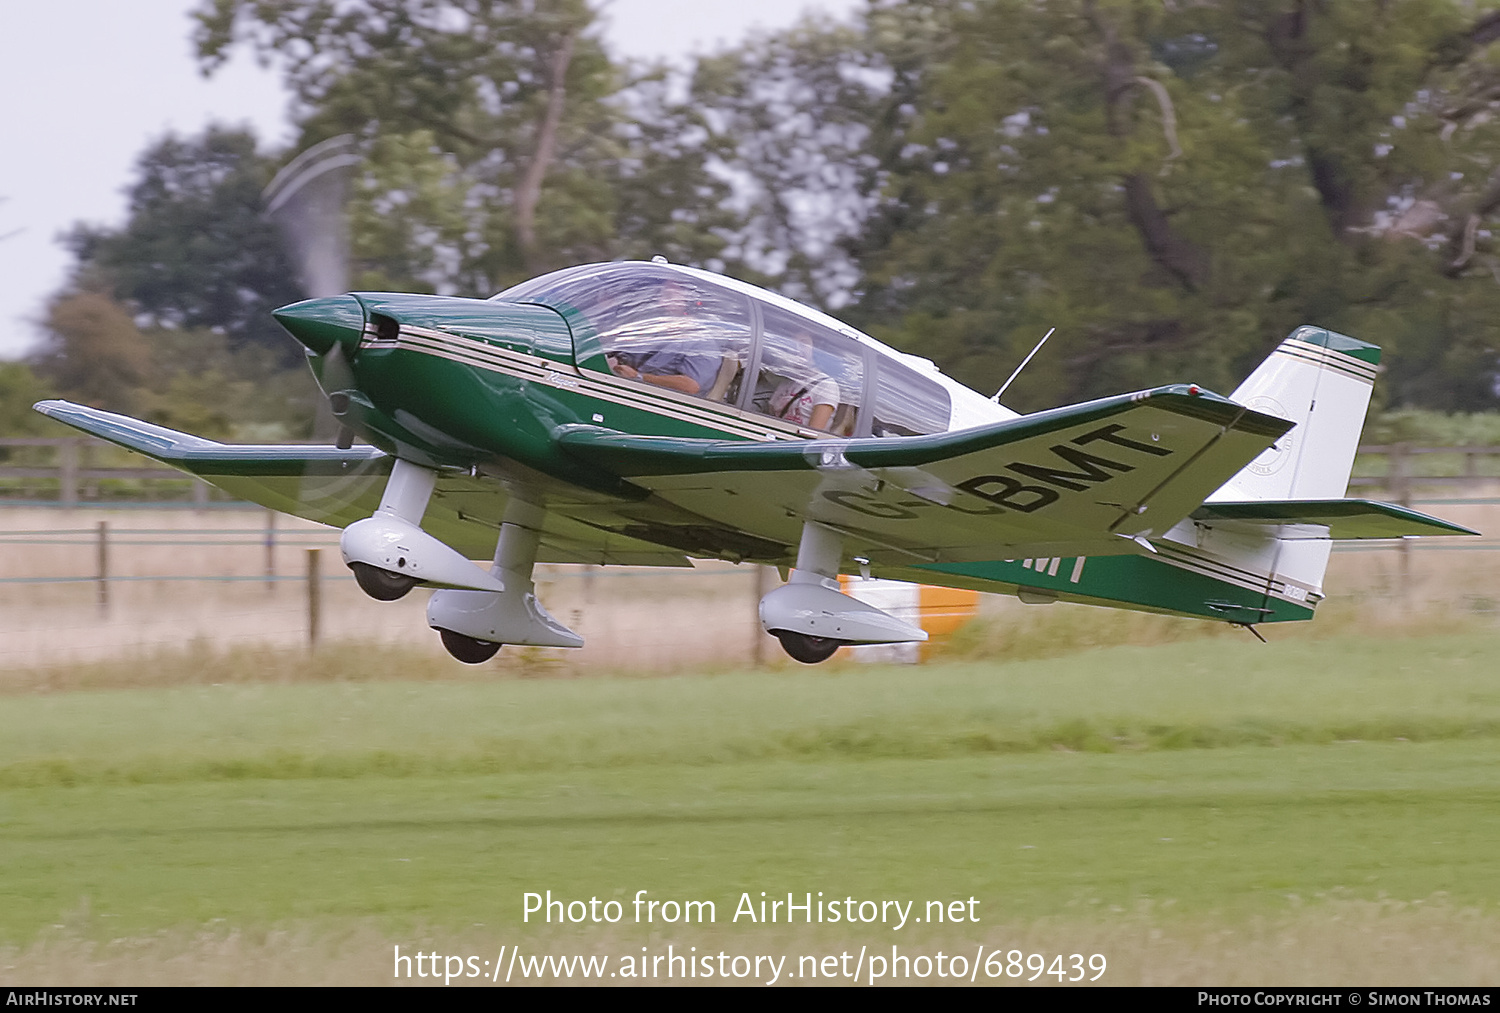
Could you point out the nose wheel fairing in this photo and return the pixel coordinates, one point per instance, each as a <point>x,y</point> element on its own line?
<point>403,552</point>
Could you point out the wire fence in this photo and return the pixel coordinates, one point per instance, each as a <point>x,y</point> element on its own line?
<point>233,578</point>
<point>113,587</point>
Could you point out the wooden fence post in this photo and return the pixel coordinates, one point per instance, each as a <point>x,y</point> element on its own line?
<point>270,550</point>
<point>762,587</point>
<point>103,559</point>
<point>67,478</point>
<point>314,598</point>
<point>1400,470</point>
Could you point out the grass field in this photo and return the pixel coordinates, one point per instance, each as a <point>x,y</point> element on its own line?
<point>1196,810</point>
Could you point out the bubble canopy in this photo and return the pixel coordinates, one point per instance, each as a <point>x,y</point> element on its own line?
<point>683,330</point>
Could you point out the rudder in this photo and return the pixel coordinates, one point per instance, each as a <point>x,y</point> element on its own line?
<point>1321,380</point>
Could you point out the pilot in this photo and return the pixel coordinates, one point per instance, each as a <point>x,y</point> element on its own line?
<point>675,365</point>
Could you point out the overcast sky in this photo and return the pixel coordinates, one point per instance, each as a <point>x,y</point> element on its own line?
<point>85,85</point>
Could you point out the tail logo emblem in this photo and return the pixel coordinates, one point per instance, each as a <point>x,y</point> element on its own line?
<point>1274,457</point>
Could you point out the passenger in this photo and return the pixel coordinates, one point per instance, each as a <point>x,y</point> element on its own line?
<point>809,397</point>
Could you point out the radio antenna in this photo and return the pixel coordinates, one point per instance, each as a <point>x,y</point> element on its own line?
<point>1022,366</point>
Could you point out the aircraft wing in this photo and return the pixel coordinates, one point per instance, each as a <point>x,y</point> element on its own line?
<point>321,483</point>
<point>1081,480</point>
<point>338,487</point>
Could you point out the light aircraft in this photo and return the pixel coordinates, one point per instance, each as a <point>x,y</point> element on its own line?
<point>649,414</point>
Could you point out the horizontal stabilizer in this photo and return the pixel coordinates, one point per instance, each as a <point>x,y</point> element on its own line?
<point>1344,518</point>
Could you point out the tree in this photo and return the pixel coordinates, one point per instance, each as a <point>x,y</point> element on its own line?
<point>800,120</point>
<point>496,131</point>
<point>93,352</point>
<point>1176,185</point>
<point>195,251</point>
<point>190,380</point>
<point>20,388</point>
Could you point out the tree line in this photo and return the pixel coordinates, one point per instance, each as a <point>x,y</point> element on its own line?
<point>1173,184</point>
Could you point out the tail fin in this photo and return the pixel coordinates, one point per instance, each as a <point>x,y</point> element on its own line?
<point>1320,380</point>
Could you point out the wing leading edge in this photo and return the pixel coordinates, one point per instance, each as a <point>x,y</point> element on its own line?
<point>339,487</point>
<point>321,483</point>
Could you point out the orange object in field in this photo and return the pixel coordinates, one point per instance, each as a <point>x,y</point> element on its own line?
<point>937,610</point>
<point>945,609</point>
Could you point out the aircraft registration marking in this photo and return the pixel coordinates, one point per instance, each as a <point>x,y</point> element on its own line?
<point>1006,493</point>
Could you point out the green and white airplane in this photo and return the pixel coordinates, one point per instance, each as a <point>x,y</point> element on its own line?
<point>648,414</point>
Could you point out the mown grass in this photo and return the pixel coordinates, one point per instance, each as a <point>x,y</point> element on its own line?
<point>1195,694</point>
<point>1187,804</point>
<point>1101,842</point>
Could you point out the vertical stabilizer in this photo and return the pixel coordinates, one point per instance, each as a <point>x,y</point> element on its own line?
<point>1320,380</point>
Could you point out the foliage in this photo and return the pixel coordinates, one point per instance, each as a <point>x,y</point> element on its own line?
<point>20,388</point>
<point>195,252</point>
<point>1425,428</point>
<point>1173,186</point>
<point>794,119</point>
<point>93,352</point>
<point>192,380</point>
<point>500,139</point>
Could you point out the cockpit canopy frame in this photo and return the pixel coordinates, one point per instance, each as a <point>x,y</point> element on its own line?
<point>738,346</point>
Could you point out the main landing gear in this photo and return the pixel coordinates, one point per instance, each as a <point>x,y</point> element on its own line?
<point>806,649</point>
<point>469,650</point>
<point>473,622</point>
<point>810,615</point>
<point>473,611</point>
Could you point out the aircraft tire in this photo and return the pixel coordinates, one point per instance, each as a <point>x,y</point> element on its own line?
<point>382,585</point>
<point>469,650</point>
<point>807,649</point>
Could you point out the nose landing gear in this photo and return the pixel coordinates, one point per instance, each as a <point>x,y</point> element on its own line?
<point>390,553</point>
<point>382,585</point>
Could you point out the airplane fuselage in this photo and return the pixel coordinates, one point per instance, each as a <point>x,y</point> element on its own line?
<point>486,384</point>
